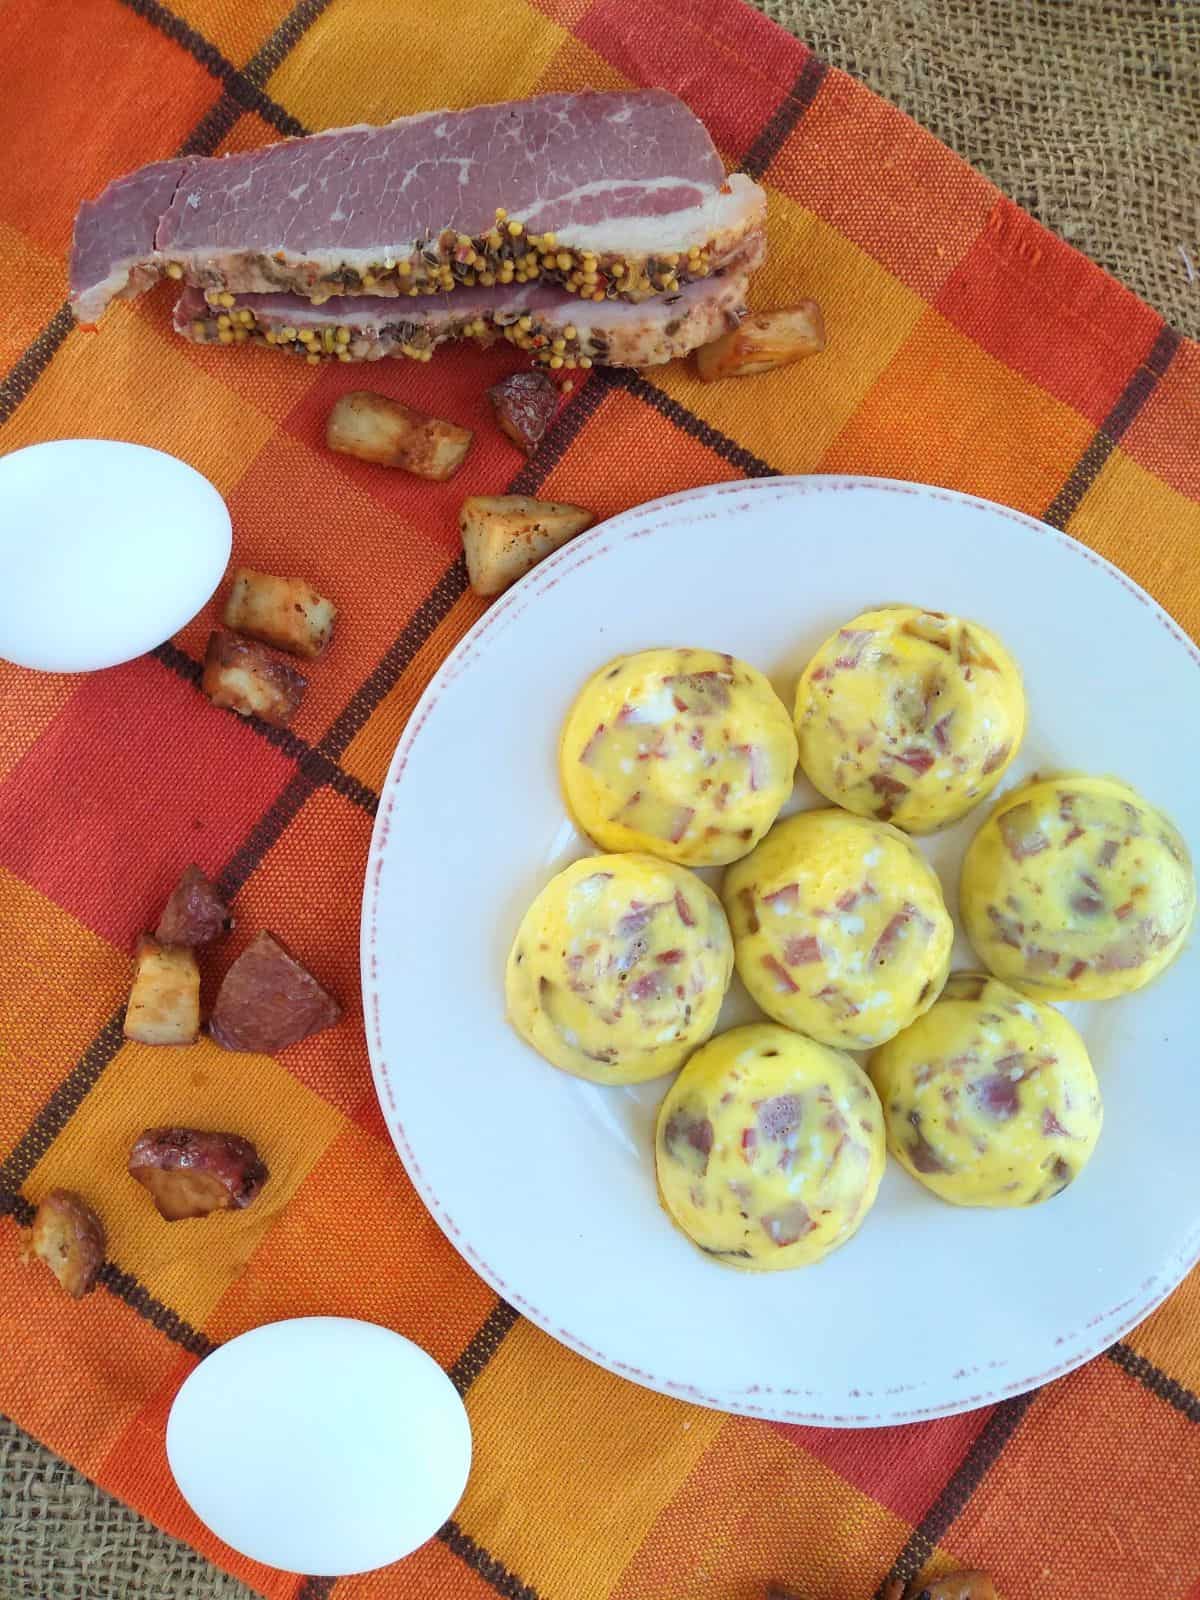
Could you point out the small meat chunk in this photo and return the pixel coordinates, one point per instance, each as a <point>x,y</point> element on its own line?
<point>269,1001</point>
<point>524,403</point>
<point>190,1172</point>
<point>164,1003</point>
<point>764,341</point>
<point>241,676</point>
<point>506,535</point>
<point>285,612</point>
<point>195,914</point>
<point>375,428</point>
<point>69,1237</point>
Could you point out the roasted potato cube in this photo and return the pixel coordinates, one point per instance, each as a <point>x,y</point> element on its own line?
<point>506,535</point>
<point>374,428</point>
<point>243,677</point>
<point>190,1173</point>
<point>972,1585</point>
<point>285,612</point>
<point>764,341</point>
<point>524,403</point>
<point>69,1237</point>
<point>269,1001</point>
<point>164,1003</point>
<point>195,914</point>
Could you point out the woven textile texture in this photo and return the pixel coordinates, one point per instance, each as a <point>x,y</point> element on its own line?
<point>970,347</point>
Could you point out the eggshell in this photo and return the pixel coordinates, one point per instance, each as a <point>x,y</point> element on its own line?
<point>106,549</point>
<point>322,1445</point>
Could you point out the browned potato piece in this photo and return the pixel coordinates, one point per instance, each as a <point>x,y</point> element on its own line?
<point>972,1585</point>
<point>164,1003</point>
<point>243,677</point>
<point>195,913</point>
<point>190,1173</point>
<point>285,612</point>
<point>69,1237</point>
<point>505,535</point>
<point>269,1001</point>
<point>374,428</point>
<point>764,341</point>
<point>524,403</point>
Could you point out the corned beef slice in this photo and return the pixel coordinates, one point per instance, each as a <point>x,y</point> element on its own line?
<point>536,317</point>
<point>605,194</point>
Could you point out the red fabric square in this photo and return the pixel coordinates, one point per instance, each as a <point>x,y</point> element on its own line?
<point>901,1468</point>
<point>729,63</point>
<point>111,804</point>
<point>1048,312</point>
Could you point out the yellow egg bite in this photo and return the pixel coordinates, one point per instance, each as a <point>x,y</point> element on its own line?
<point>684,753</point>
<point>1076,888</point>
<point>909,716</point>
<point>619,968</point>
<point>839,928</point>
<point>769,1148</point>
<point>990,1098</point>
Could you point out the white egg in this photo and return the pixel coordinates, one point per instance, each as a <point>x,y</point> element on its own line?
<point>321,1445</point>
<point>106,549</point>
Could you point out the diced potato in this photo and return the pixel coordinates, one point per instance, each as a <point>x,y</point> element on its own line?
<point>374,428</point>
<point>285,612</point>
<point>195,913</point>
<point>190,1172</point>
<point>164,1003</point>
<point>243,677</point>
<point>69,1237</point>
<point>524,403</point>
<point>506,535</point>
<point>269,1001</point>
<point>764,341</point>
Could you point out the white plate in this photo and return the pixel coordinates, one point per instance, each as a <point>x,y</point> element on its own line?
<point>546,1184</point>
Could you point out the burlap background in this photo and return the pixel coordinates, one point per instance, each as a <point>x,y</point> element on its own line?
<point>1087,112</point>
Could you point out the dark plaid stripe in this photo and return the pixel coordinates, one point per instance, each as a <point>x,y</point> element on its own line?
<point>34,360</point>
<point>737,456</point>
<point>491,1334</point>
<point>758,158</point>
<point>489,1569</point>
<point>315,1589</point>
<point>1111,431</point>
<point>62,1104</point>
<point>1156,1380</point>
<point>960,1486</point>
<point>562,433</point>
<point>127,1288</point>
<point>16,1206</point>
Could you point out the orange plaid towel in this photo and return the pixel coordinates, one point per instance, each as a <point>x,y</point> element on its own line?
<point>968,347</point>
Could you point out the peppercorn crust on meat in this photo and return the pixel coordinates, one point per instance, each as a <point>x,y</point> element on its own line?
<point>839,928</point>
<point>769,1149</point>
<point>685,753</point>
<point>910,716</point>
<point>619,968</point>
<point>1077,888</point>
<point>990,1098</point>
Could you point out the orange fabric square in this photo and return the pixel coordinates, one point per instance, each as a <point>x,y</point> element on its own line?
<point>870,171</point>
<point>432,1571</point>
<point>356,1241</point>
<point>1097,1487</point>
<point>703,53</point>
<point>140,806</point>
<point>189,1264</point>
<point>944,412</point>
<point>1168,1336</point>
<point>75,1372</point>
<point>58,150</point>
<point>78,980</point>
<point>1044,310</point>
<point>575,66</point>
<point>755,1511</point>
<point>43,284</point>
<point>1163,436</point>
<point>238,30</point>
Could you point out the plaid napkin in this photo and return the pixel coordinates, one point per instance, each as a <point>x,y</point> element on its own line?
<point>968,347</point>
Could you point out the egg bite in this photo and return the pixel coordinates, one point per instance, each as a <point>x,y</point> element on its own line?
<point>909,716</point>
<point>619,968</point>
<point>684,753</point>
<point>839,928</point>
<point>769,1148</point>
<point>989,1098</point>
<point>1077,888</point>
